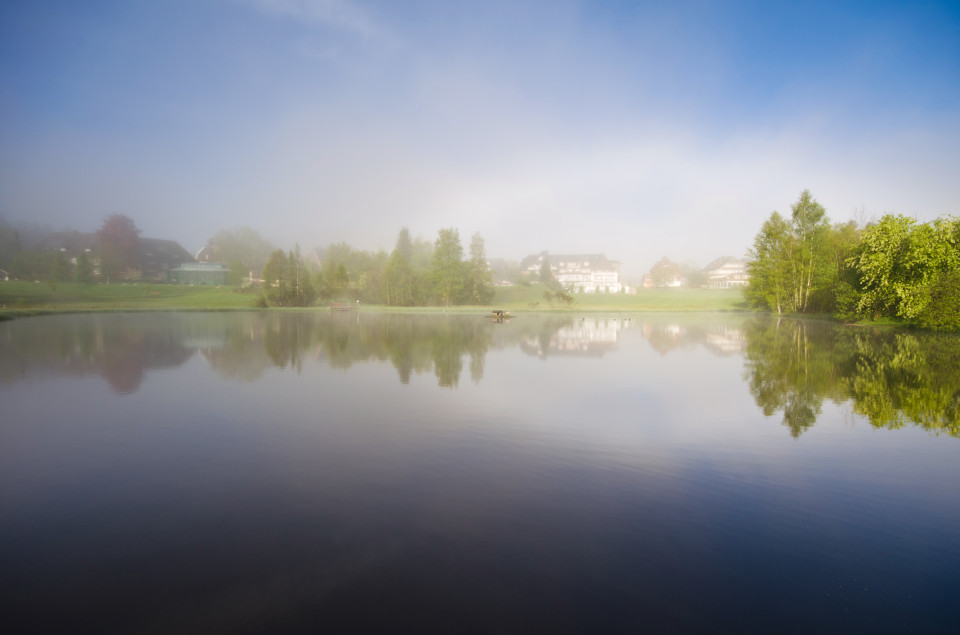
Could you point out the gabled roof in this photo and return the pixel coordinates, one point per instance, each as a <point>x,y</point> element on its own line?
<point>721,261</point>
<point>71,241</point>
<point>597,261</point>
<point>167,250</point>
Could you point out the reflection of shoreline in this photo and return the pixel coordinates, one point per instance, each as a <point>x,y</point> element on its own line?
<point>791,366</point>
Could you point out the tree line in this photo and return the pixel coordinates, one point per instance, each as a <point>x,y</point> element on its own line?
<point>415,273</point>
<point>896,267</point>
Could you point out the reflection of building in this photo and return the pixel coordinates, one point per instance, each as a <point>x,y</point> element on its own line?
<point>585,336</point>
<point>725,340</point>
<point>727,272</point>
<point>720,339</point>
<point>581,273</point>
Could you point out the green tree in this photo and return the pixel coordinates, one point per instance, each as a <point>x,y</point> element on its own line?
<point>790,261</point>
<point>664,272</point>
<point>238,271</point>
<point>82,273</point>
<point>696,277</point>
<point>941,311</point>
<point>400,276</point>
<point>9,244</point>
<point>478,273</point>
<point>276,279</point>
<point>28,264</point>
<point>769,266</point>
<point>286,280</point>
<point>242,244</point>
<point>447,271</point>
<point>58,267</point>
<point>809,261</point>
<point>899,262</point>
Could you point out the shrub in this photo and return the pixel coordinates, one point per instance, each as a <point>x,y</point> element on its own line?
<point>942,311</point>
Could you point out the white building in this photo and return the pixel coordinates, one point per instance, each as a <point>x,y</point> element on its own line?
<point>727,272</point>
<point>579,273</point>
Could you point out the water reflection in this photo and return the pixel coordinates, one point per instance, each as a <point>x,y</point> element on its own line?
<point>714,334</point>
<point>791,366</point>
<point>114,347</point>
<point>890,378</point>
<point>581,336</point>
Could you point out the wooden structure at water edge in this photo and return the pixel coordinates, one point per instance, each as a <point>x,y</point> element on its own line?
<point>344,306</point>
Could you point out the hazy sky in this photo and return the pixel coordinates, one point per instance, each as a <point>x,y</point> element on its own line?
<point>637,129</point>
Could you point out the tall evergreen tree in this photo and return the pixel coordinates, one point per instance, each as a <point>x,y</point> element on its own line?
<point>400,277</point>
<point>478,274</point>
<point>448,270</point>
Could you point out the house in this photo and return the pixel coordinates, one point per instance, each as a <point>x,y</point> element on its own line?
<point>727,272</point>
<point>577,273</point>
<point>156,256</point>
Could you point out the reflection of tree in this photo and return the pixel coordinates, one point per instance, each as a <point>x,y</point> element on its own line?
<point>412,343</point>
<point>892,378</point>
<point>116,347</point>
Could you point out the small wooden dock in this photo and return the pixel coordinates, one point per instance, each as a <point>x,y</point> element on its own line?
<point>344,306</point>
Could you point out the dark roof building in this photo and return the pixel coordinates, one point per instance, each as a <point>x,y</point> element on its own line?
<point>157,256</point>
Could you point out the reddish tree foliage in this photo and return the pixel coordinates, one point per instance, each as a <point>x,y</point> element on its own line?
<point>119,244</point>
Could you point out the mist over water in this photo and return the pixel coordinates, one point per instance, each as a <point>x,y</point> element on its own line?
<point>280,471</point>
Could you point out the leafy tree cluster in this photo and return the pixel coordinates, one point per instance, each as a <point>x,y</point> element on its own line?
<point>416,273</point>
<point>242,249</point>
<point>798,263</point>
<point>909,270</point>
<point>895,267</point>
<point>665,272</point>
<point>287,281</point>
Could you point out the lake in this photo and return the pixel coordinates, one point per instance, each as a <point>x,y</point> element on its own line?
<point>308,472</point>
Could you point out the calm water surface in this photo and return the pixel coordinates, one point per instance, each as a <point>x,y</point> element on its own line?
<point>273,472</point>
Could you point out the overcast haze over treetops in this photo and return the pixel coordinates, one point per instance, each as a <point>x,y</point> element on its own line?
<point>636,129</point>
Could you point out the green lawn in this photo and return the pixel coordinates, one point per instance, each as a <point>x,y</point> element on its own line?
<point>69,296</point>
<point>531,297</point>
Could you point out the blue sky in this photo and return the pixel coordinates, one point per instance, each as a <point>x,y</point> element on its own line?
<point>631,128</point>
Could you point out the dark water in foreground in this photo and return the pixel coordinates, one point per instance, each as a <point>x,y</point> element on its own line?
<point>332,473</point>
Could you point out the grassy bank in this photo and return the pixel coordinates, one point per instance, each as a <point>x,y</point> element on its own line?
<point>531,297</point>
<point>31,298</point>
